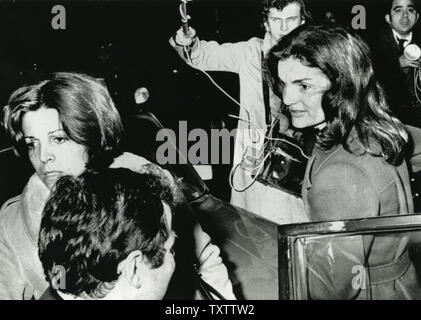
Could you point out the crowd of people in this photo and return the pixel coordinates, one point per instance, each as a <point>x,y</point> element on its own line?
<point>104,218</point>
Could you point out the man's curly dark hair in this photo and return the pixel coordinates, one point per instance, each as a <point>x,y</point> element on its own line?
<point>93,222</point>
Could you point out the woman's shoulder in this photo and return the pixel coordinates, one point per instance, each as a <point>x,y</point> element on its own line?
<point>22,214</point>
<point>22,275</point>
<point>375,169</point>
<point>10,202</point>
<point>10,207</point>
<point>357,158</point>
<point>10,215</point>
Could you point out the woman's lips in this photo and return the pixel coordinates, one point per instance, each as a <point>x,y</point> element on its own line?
<point>50,177</point>
<point>297,113</point>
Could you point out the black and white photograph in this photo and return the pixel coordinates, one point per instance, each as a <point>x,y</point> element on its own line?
<point>227,151</point>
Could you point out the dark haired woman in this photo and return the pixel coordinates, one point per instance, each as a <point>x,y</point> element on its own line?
<point>325,76</point>
<point>63,126</point>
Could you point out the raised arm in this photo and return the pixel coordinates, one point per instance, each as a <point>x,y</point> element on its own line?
<point>210,55</point>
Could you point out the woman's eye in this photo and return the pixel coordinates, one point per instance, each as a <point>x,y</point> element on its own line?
<point>304,86</point>
<point>30,144</point>
<point>60,140</point>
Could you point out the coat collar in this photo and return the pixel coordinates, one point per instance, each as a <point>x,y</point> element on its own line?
<point>33,200</point>
<point>35,193</point>
<point>267,43</point>
<point>398,36</point>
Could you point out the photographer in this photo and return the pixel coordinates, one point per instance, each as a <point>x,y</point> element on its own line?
<point>394,69</point>
<point>245,58</point>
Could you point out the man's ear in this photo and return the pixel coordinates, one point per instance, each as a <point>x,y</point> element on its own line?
<point>131,268</point>
<point>387,18</point>
<point>416,19</point>
<point>303,21</point>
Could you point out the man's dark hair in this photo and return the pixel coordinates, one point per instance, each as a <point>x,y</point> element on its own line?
<point>387,6</point>
<point>93,222</point>
<point>281,4</point>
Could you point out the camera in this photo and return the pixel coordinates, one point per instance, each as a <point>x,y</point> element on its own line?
<point>285,164</point>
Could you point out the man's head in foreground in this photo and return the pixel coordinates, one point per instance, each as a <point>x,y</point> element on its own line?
<point>110,234</point>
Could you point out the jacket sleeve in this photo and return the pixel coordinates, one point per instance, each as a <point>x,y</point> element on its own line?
<point>211,266</point>
<point>12,283</point>
<point>336,265</point>
<point>212,56</point>
<point>415,152</point>
<point>21,275</point>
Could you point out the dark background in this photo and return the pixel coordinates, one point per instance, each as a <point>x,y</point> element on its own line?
<point>130,39</point>
<point>126,43</point>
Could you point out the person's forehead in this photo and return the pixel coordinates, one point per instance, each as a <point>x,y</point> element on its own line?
<point>402,3</point>
<point>41,121</point>
<point>291,9</point>
<point>292,70</point>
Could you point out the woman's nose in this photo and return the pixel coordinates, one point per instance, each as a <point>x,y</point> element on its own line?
<point>46,154</point>
<point>289,95</point>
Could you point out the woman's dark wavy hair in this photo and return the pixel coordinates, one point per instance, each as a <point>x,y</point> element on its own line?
<point>355,101</point>
<point>93,222</point>
<point>87,112</point>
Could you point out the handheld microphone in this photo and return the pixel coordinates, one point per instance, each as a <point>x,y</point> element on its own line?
<point>184,17</point>
<point>412,52</point>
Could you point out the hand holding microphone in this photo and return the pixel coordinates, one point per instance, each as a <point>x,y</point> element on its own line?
<point>412,53</point>
<point>411,57</point>
<point>183,39</point>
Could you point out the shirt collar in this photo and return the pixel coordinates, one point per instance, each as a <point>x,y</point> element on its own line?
<point>408,37</point>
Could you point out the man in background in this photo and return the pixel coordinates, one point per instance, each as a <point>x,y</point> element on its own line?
<point>257,113</point>
<point>393,68</point>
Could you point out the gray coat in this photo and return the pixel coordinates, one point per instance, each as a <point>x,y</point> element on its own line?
<point>341,185</point>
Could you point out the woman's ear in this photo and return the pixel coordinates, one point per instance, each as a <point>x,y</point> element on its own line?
<point>131,268</point>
